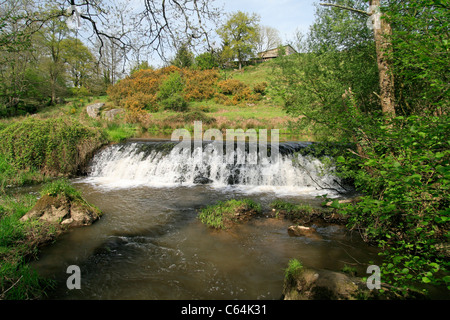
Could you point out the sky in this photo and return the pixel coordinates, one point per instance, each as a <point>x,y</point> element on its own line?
<point>286,16</point>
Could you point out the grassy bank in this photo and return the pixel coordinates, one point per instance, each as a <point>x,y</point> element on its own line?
<point>19,243</point>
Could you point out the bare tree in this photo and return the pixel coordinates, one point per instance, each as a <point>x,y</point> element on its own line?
<point>159,24</point>
<point>268,38</point>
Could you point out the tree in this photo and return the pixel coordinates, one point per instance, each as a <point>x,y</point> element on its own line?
<point>184,58</point>
<point>338,54</point>
<point>382,33</point>
<point>420,37</point>
<point>240,34</point>
<point>267,38</point>
<point>207,60</point>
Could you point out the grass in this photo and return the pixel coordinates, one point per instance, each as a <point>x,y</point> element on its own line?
<point>223,214</point>
<point>290,210</point>
<point>117,132</point>
<point>18,243</point>
<point>292,271</point>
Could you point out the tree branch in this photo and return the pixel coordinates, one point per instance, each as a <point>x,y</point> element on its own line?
<point>345,8</point>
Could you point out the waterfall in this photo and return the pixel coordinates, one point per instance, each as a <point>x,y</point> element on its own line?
<point>162,164</point>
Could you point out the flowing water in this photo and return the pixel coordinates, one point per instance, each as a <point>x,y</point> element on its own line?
<point>149,243</point>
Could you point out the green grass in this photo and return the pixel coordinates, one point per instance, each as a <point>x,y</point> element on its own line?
<point>290,210</point>
<point>220,215</point>
<point>292,271</point>
<point>18,242</point>
<point>117,132</point>
<point>60,187</point>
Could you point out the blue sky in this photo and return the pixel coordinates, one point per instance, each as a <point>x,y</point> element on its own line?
<point>284,15</point>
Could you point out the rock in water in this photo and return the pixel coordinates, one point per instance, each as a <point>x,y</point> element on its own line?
<point>202,180</point>
<point>63,211</point>
<point>299,231</point>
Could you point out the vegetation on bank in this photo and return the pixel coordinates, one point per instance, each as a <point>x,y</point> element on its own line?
<point>224,214</point>
<point>19,242</point>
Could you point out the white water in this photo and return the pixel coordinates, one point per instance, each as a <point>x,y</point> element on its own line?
<point>130,165</point>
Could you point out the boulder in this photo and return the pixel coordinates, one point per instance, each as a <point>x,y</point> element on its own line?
<point>202,180</point>
<point>312,284</point>
<point>300,231</point>
<point>63,211</point>
<point>93,110</point>
<point>111,114</point>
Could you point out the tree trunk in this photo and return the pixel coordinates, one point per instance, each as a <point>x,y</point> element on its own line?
<point>382,32</point>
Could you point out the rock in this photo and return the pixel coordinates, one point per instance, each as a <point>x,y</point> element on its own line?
<point>111,114</point>
<point>300,231</point>
<point>311,284</point>
<point>352,201</point>
<point>62,211</point>
<point>202,180</point>
<point>93,110</point>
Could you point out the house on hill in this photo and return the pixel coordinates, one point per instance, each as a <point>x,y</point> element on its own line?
<point>274,53</point>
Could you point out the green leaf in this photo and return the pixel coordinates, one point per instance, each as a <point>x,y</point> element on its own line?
<point>425,280</point>
<point>340,159</point>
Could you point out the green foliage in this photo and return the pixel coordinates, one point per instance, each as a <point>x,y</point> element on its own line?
<point>184,58</point>
<point>17,242</point>
<point>116,132</point>
<point>404,176</point>
<point>421,41</point>
<point>290,210</point>
<point>339,56</point>
<point>51,145</point>
<point>60,187</point>
<point>219,216</point>
<point>173,84</point>
<point>240,34</point>
<point>293,270</point>
<point>206,60</point>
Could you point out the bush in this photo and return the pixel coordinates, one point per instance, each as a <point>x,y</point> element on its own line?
<point>173,84</point>
<point>176,102</point>
<point>200,84</point>
<point>404,175</point>
<point>231,86</point>
<point>260,87</point>
<point>55,146</point>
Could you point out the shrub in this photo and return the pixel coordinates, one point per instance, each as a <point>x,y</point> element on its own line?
<point>231,86</point>
<point>171,85</point>
<point>190,117</point>
<point>200,84</point>
<point>404,176</point>
<point>260,87</point>
<point>56,145</point>
<point>175,102</point>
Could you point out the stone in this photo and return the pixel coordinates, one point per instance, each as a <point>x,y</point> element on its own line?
<point>300,231</point>
<point>111,114</point>
<point>93,110</point>
<point>202,180</point>
<point>62,211</point>
<point>312,284</point>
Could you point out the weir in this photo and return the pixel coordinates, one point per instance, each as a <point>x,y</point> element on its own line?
<point>161,163</point>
